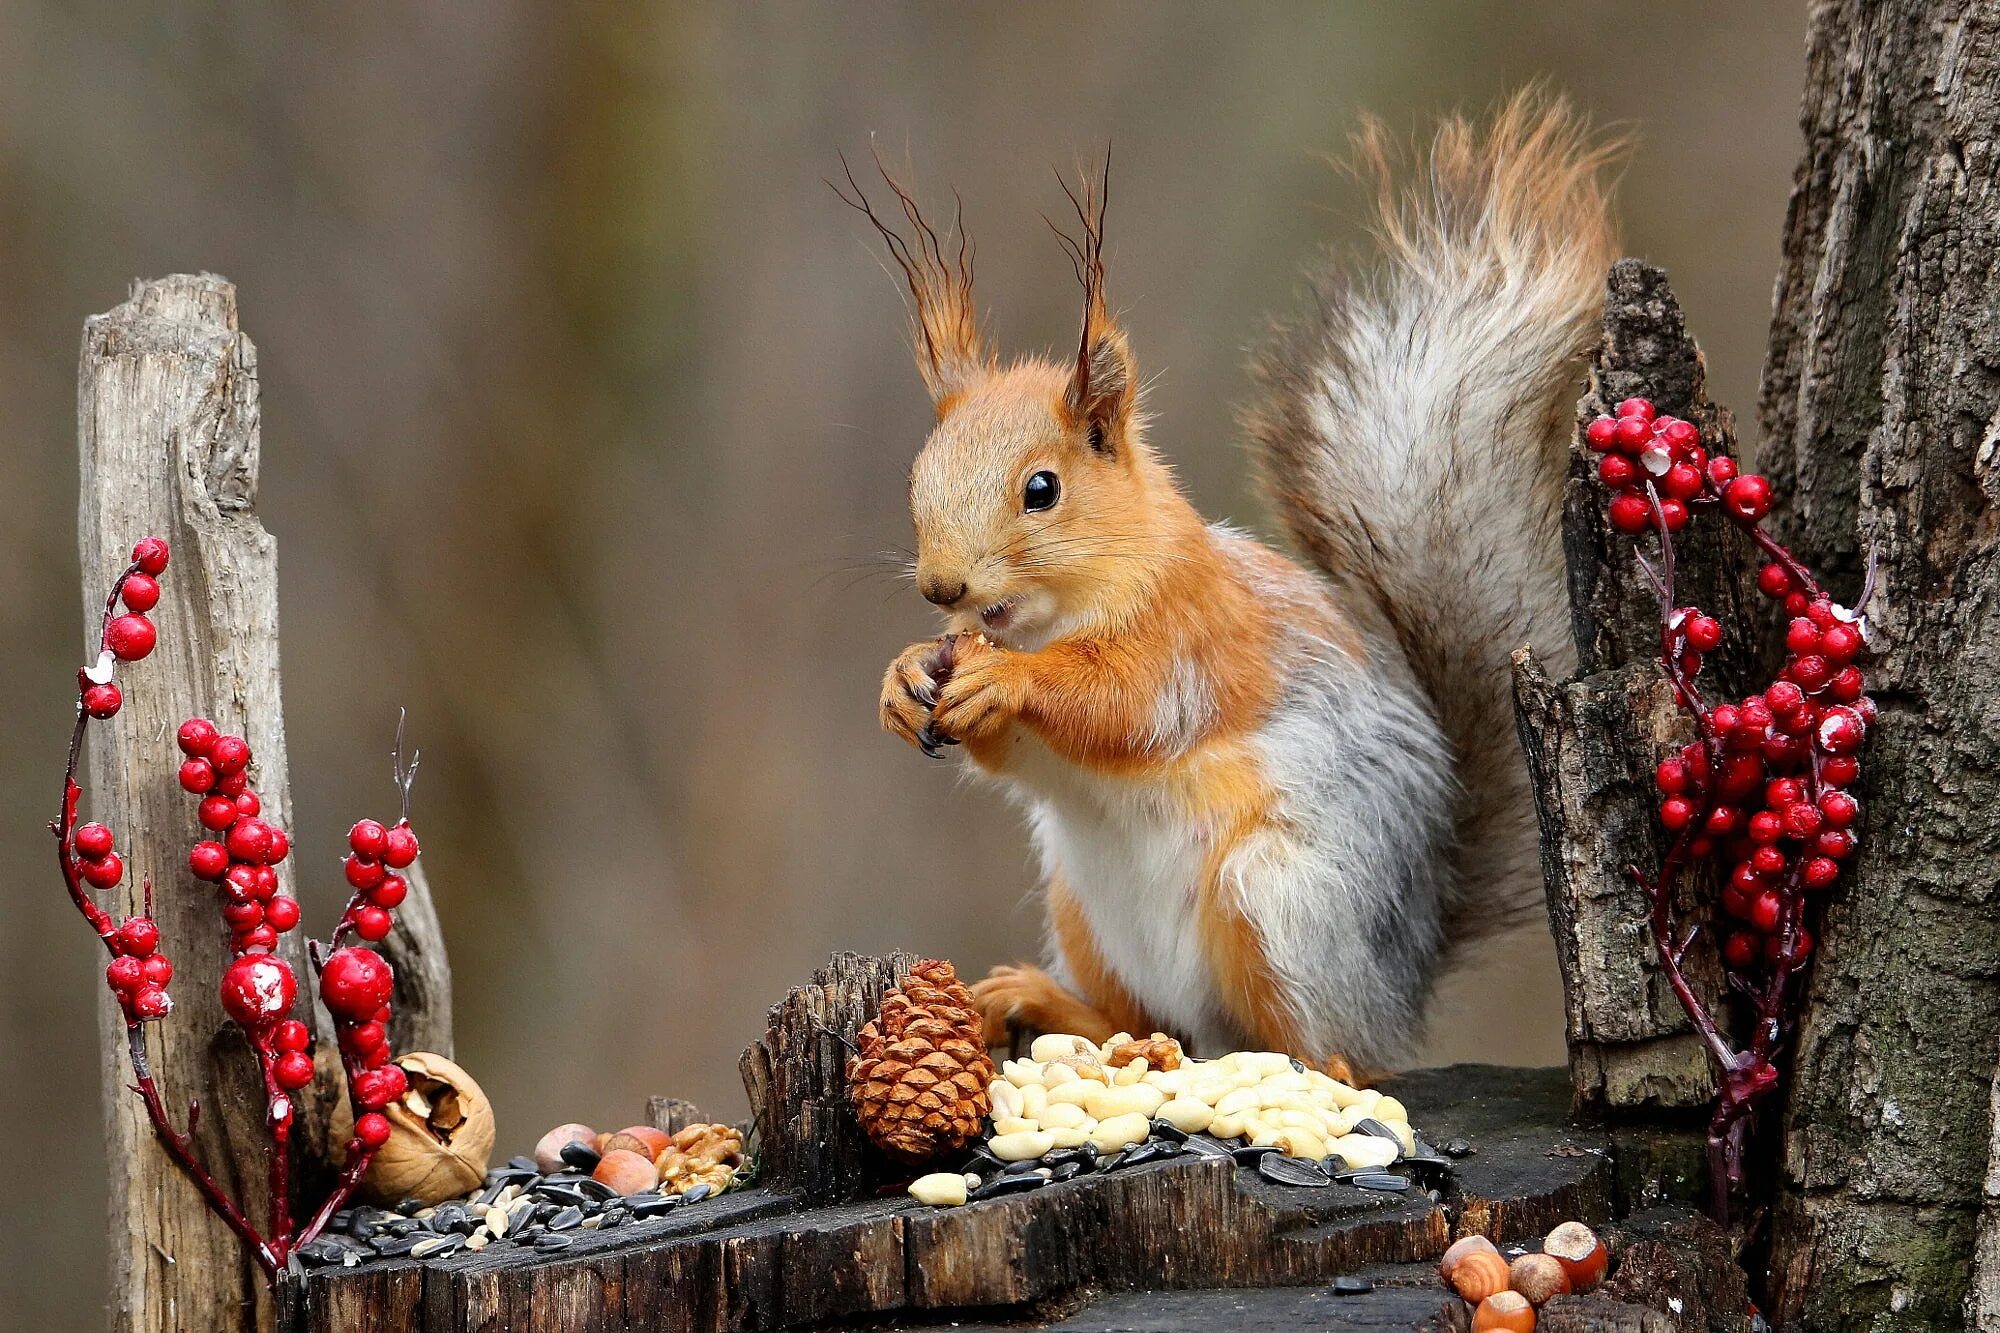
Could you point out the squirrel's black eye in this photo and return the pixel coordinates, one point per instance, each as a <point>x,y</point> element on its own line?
<point>1041,492</point>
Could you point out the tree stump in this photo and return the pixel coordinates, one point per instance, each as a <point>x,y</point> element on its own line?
<point>168,441</point>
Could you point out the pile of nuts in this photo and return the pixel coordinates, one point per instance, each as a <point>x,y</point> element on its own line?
<point>639,1158</point>
<point>1127,1099</point>
<point>1505,1295</point>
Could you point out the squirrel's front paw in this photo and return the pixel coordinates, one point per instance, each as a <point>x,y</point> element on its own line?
<point>981,698</point>
<point>909,691</point>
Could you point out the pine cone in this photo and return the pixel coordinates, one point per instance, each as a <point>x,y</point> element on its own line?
<point>920,1081</point>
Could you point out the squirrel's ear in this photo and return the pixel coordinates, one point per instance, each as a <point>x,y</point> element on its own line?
<point>1103,389</point>
<point>1104,386</point>
<point>951,351</point>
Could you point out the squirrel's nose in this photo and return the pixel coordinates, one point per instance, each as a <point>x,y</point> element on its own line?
<point>941,593</point>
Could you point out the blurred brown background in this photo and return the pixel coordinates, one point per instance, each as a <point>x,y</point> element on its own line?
<point>586,406</point>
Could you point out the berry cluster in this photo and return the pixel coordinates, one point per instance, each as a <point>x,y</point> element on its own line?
<point>1764,788</point>
<point>258,988</point>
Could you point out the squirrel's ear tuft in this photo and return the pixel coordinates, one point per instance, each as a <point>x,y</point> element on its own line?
<point>1103,389</point>
<point>951,351</point>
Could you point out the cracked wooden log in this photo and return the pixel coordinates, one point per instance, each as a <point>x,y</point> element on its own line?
<point>169,444</point>
<point>1592,742</point>
<point>1881,412</point>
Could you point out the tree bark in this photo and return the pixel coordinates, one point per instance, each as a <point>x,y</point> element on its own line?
<point>168,440</point>
<point>1881,411</point>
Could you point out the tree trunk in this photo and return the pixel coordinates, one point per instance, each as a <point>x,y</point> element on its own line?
<point>168,438</point>
<point>1881,412</point>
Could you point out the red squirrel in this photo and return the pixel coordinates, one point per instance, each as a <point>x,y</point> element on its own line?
<point>1270,795</point>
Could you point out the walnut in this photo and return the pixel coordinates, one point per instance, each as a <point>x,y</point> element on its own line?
<point>701,1155</point>
<point>1158,1051</point>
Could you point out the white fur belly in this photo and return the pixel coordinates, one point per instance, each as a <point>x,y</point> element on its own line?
<point>1134,863</point>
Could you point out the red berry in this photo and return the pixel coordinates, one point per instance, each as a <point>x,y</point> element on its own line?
<point>140,592</point>
<point>1840,770</point>
<point>1781,792</point>
<point>1670,777</point>
<point>197,775</point>
<point>1617,471</point>
<point>208,860</point>
<point>1677,433</point>
<point>229,754</point>
<point>1841,731</point>
<point>373,924</point>
<point>282,913</point>
<point>1774,580</point>
<point>232,785</point>
<point>363,873</point>
<point>1755,715</point>
<point>242,916</point>
<point>138,936</point>
<point>1846,685</point>
<point>1767,860</point>
<point>1740,950</point>
<point>1602,434</point>
<point>248,803</point>
<point>195,736</point>
<point>378,1087</point>
<point>1723,819</point>
<point>367,1037</point>
<point>1840,642</point>
<point>92,841</point>
<point>292,1070</point>
<point>1784,697</point>
<point>1796,603</point>
<point>151,1003</point>
<point>102,701</point>
<point>281,845</point>
<point>130,637</point>
<point>1724,718</point>
<point>1721,471</point>
<point>1766,826</point>
<point>125,974</point>
<point>158,969</point>
<point>1744,879</point>
<point>1780,751</point>
<point>1630,513</point>
<point>1765,910</point>
<point>1633,434</point>
<point>1675,814</point>
<point>1802,820</point>
<point>258,990</point>
<point>1681,482</point>
<point>1635,407</point>
<point>1674,514</point>
<point>355,983</point>
<point>402,847</point>
<point>1837,843</point>
<point>257,937</point>
<point>372,1130</point>
<point>1810,671</point>
<point>1705,633</point>
<point>390,892</point>
<point>264,882</point>
<point>368,838</point>
<point>249,840</point>
<point>1820,872</point>
<point>1821,613</point>
<point>1802,636</point>
<point>216,813</point>
<point>291,1035</point>
<point>1739,777</point>
<point>150,555</point>
<point>1839,808</point>
<point>1748,496</point>
<point>104,872</point>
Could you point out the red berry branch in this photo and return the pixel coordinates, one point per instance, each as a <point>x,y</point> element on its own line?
<point>258,989</point>
<point>1763,791</point>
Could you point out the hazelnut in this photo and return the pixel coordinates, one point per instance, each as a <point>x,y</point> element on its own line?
<point>1581,1254</point>
<point>1539,1277</point>
<point>1464,1245</point>
<point>1479,1275</point>
<point>642,1139</point>
<point>548,1150</point>
<point>1504,1312</point>
<point>626,1171</point>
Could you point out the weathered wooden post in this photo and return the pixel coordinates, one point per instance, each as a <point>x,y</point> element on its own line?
<point>168,441</point>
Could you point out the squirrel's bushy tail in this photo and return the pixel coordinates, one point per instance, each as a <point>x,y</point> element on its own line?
<point>1412,434</point>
